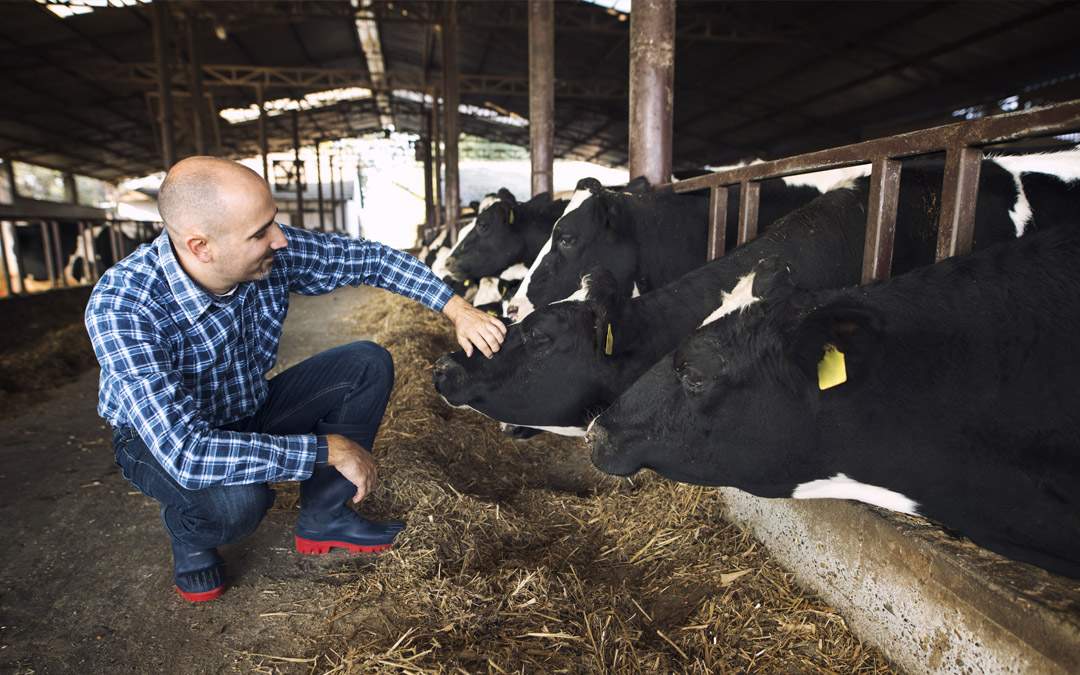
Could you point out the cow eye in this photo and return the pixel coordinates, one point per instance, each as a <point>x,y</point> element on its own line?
<point>567,240</point>
<point>692,379</point>
<point>538,336</point>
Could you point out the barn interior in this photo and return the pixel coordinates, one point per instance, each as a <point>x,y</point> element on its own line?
<point>112,89</point>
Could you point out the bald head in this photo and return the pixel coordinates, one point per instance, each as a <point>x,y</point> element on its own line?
<point>204,195</point>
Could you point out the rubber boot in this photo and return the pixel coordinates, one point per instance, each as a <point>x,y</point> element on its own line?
<point>326,519</point>
<point>199,573</point>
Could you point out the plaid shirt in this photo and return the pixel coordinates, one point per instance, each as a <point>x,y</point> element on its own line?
<point>178,362</point>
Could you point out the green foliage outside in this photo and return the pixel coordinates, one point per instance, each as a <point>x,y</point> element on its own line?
<point>474,147</point>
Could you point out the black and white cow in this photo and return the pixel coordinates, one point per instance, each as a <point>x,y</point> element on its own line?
<point>569,360</point>
<point>644,239</point>
<point>506,233</point>
<point>950,392</point>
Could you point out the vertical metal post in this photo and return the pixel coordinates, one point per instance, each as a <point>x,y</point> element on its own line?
<point>92,255</point>
<point>333,197</point>
<point>881,219</point>
<point>262,134</point>
<point>451,99</point>
<point>196,84</point>
<point>749,199</point>
<point>297,168</point>
<point>542,94</point>
<point>718,201</point>
<point>46,248</point>
<point>436,144</point>
<point>318,180</point>
<point>341,190</point>
<point>652,88</point>
<point>959,194</point>
<point>161,49</point>
<point>429,192</point>
<point>8,287</point>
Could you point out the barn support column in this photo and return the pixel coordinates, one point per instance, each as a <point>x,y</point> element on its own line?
<point>341,189</point>
<point>262,133</point>
<point>165,109</point>
<point>436,146</point>
<point>451,98</point>
<point>429,193</point>
<point>297,171</point>
<point>333,196</point>
<point>652,88</point>
<point>542,94</point>
<point>198,103</point>
<point>318,182</point>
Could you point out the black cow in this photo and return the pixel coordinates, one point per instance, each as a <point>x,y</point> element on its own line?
<point>553,370</point>
<point>950,392</point>
<point>504,234</point>
<point>645,239</point>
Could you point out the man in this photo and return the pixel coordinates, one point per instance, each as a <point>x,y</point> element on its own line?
<point>185,330</point>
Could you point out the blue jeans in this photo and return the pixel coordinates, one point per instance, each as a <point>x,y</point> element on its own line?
<point>349,384</point>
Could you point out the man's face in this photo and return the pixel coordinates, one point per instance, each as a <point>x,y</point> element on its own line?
<point>245,252</point>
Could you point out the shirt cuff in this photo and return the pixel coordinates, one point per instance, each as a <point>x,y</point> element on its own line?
<point>322,452</point>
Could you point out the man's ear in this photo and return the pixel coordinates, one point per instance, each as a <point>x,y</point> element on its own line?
<point>835,344</point>
<point>198,245</point>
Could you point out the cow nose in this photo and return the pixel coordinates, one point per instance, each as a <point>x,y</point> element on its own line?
<point>442,364</point>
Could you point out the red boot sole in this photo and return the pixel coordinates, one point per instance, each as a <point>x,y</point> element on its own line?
<point>317,547</point>
<point>204,596</point>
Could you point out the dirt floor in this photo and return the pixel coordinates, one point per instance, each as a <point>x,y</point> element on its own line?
<point>519,557</point>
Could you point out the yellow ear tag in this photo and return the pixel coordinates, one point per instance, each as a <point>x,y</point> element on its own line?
<point>831,371</point>
<point>608,343</point>
<point>465,283</point>
<point>511,216</point>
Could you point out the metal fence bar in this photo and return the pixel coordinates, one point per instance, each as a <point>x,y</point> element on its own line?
<point>58,253</point>
<point>749,200</point>
<point>20,265</point>
<point>46,247</point>
<point>718,204</point>
<point>881,219</point>
<point>959,194</point>
<point>8,288</point>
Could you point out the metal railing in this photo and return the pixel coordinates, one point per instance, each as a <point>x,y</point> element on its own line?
<point>962,143</point>
<point>48,264</point>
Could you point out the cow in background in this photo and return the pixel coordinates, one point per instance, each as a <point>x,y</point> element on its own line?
<point>950,392</point>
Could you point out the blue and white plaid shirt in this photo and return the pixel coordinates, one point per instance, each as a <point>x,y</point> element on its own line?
<point>178,362</point>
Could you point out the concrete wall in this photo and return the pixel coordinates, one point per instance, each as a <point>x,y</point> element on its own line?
<point>931,601</point>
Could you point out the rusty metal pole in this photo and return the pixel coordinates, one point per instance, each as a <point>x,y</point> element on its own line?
<point>451,97</point>
<point>333,197</point>
<point>652,88</point>
<point>436,144</point>
<point>262,134</point>
<point>341,191</point>
<point>542,94</point>
<point>318,180</point>
<point>161,38</point>
<point>429,192</point>
<point>297,170</point>
<point>196,85</point>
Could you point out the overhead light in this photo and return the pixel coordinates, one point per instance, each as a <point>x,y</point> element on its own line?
<point>220,32</point>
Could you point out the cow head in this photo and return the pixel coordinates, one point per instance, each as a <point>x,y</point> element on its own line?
<point>556,368</point>
<point>495,241</point>
<point>738,402</point>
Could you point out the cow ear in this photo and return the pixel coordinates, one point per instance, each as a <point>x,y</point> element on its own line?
<point>835,344</point>
<point>774,280</point>
<point>591,184</point>
<point>506,196</point>
<point>639,185</point>
<point>606,303</point>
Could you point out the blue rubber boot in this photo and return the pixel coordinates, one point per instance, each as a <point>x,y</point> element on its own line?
<point>326,519</point>
<point>199,573</point>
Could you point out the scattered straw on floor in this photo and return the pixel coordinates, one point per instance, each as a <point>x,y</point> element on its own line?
<point>520,558</point>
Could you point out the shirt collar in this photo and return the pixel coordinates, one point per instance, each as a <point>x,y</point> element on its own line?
<point>193,299</point>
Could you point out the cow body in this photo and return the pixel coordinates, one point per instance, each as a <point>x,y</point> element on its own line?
<point>645,239</point>
<point>506,233</point>
<point>962,382</point>
<point>553,370</point>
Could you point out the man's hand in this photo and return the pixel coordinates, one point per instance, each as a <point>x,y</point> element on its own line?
<point>474,327</point>
<point>354,462</point>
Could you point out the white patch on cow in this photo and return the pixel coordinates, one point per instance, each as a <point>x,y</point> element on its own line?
<point>842,487</point>
<point>438,240</point>
<point>1065,165</point>
<point>514,272</point>
<point>486,203</point>
<point>577,200</point>
<point>439,265</point>
<point>830,179</point>
<point>487,292</point>
<point>740,297</point>
<point>462,234</point>
<point>561,431</point>
<point>636,293</point>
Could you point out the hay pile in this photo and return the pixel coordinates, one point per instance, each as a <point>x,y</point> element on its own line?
<point>521,558</point>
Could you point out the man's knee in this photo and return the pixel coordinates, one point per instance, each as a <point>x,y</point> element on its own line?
<point>220,515</point>
<point>374,364</point>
